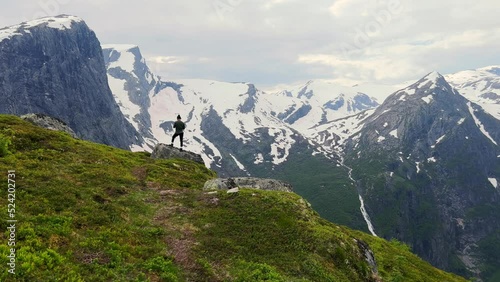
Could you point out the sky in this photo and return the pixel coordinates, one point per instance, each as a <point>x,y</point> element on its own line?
<point>282,42</point>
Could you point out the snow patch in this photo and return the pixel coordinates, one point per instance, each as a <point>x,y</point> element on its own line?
<point>127,59</point>
<point>394,133</point>
<point>431,160</point>
<point>479,124</point>
<point>380,139</point>
<point>493,182</point>
<point>60,22</point>
<point>409,91</point>
<point>259,159</point>
<point>137,148</point>
<point>418,166</point>
<point>428,99</point>
<point>281,148</point>
<point>240,165</point>
<point>438,141</point>
<point>461,121</point>
<point>386,124</point>
<point>129,109</point>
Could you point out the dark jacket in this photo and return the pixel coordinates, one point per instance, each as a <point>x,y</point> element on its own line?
<point>179,126</point>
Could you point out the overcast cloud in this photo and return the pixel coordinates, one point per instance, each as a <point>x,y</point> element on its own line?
<point>270,42</point>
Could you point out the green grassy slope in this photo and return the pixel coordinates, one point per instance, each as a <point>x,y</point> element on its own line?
<point>89,212</point>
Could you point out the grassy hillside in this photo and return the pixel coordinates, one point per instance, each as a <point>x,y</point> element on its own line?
<point>89,212</point>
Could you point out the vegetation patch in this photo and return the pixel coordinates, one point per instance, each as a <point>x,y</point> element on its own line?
<point>90,212</point>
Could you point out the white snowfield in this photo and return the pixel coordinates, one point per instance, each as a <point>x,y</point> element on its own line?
<point>126,61</point>
<point>481,86</point>
<point>326,100</point>
<point>59,22</point>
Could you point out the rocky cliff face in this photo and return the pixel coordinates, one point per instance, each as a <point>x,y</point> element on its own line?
<point>426,163</point>
<point>55,66</point>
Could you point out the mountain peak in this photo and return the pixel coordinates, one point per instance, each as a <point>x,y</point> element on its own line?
<point>124,56</point>
<point>62,22</point>
<point>59,22</point>
<point>433,76</point>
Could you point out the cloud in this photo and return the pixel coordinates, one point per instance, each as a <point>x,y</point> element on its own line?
<point>405,58</point>
<point>166,59</point>
<point>272,3</point>
<point>281,41</point>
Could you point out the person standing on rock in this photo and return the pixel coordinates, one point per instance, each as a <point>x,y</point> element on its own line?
<point>179,131</point>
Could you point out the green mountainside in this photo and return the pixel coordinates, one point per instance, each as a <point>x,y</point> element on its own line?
<point>90,212</point>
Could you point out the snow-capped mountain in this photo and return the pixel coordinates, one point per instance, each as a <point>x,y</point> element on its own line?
<point>425,161</point>
<point>482,86</point>
<point>305,107</point>
<point>152,105</point>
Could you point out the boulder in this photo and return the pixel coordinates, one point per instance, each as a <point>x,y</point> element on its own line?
<point>48,122</point>
<point>163,151</point>
<point>247,182</point>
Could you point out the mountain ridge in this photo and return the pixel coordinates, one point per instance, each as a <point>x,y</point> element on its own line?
<point>414,145</point>
<point>431,158</point>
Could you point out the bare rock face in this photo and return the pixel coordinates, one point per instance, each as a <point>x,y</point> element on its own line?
<point>48,122</point>
<point>163,151</point>
<point>247,182</point>
<point>368,256</point>
<point>55,66</point>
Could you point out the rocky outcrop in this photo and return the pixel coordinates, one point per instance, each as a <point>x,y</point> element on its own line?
<point>163,151</point>
<point>247,182</point>
<point>48,122</point>
<point>368,255</point>
<point>55,66</point>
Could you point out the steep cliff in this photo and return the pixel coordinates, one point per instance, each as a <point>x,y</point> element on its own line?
<point>55,66</point>
<point>426,163</point>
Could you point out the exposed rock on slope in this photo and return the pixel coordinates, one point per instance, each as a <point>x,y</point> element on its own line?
<point>48,122</point>
<point>248,182</point>
<point>55,66</point>
<point>163,151</point>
